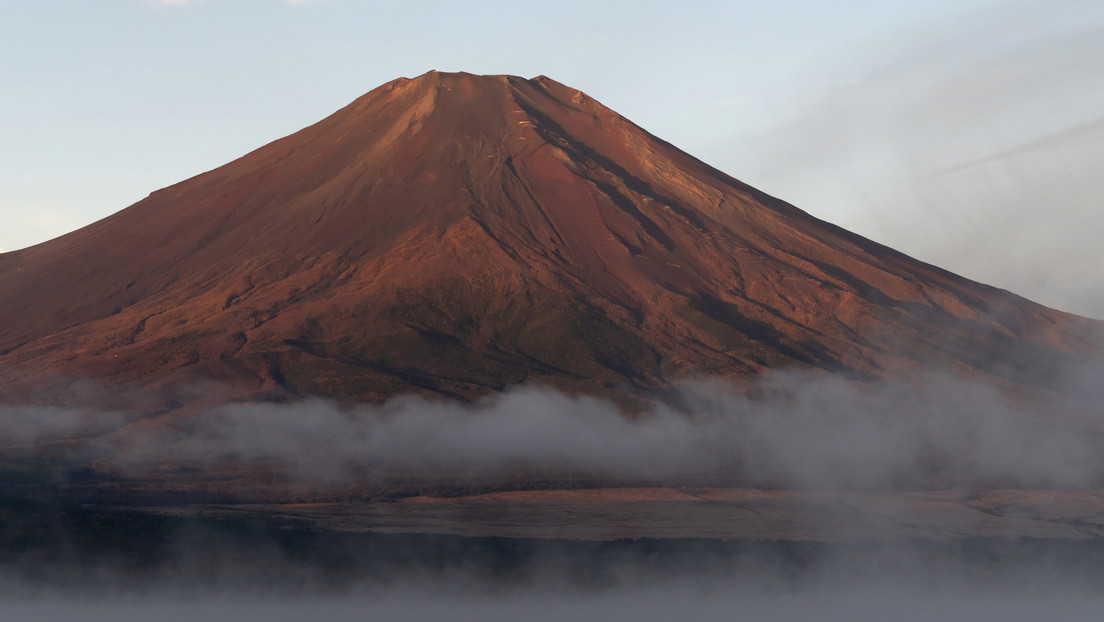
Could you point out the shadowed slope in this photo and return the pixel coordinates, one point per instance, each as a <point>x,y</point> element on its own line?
<point>457,234</point>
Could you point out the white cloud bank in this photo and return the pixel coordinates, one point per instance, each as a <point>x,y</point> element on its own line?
<point>794,430</point>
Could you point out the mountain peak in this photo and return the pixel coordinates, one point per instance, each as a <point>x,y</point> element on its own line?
<point>456,234</point>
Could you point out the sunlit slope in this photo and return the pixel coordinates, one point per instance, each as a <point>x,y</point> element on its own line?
<point>457,234</point>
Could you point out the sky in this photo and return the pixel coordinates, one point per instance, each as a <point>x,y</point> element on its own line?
<point>968,134</point>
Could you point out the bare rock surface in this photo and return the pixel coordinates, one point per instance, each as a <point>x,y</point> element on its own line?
<point>456,234</point>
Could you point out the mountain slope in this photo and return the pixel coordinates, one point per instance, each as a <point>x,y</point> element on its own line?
<point>456,234</point>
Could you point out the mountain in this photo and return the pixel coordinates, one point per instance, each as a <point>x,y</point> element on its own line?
<point>457,234</point>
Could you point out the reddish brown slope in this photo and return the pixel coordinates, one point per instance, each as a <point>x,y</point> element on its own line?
<point>457,234</point>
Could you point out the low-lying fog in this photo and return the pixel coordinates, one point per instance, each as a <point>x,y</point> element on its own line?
<point>896,583</point>
<point>686,603</point>
<point>807,431</point>
<point>793,430</point>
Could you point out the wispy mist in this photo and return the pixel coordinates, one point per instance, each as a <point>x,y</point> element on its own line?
<point>795,431</point>
<point>792,430</point>
<point>625,582</point>
<point>799,430</point>
<point>971,143</point>
<point>656,604</point>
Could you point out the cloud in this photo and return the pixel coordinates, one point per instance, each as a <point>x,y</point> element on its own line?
<point>792,430</point>
<point>650,602</point>
<point>801,430</point>
<point>976,154</point>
